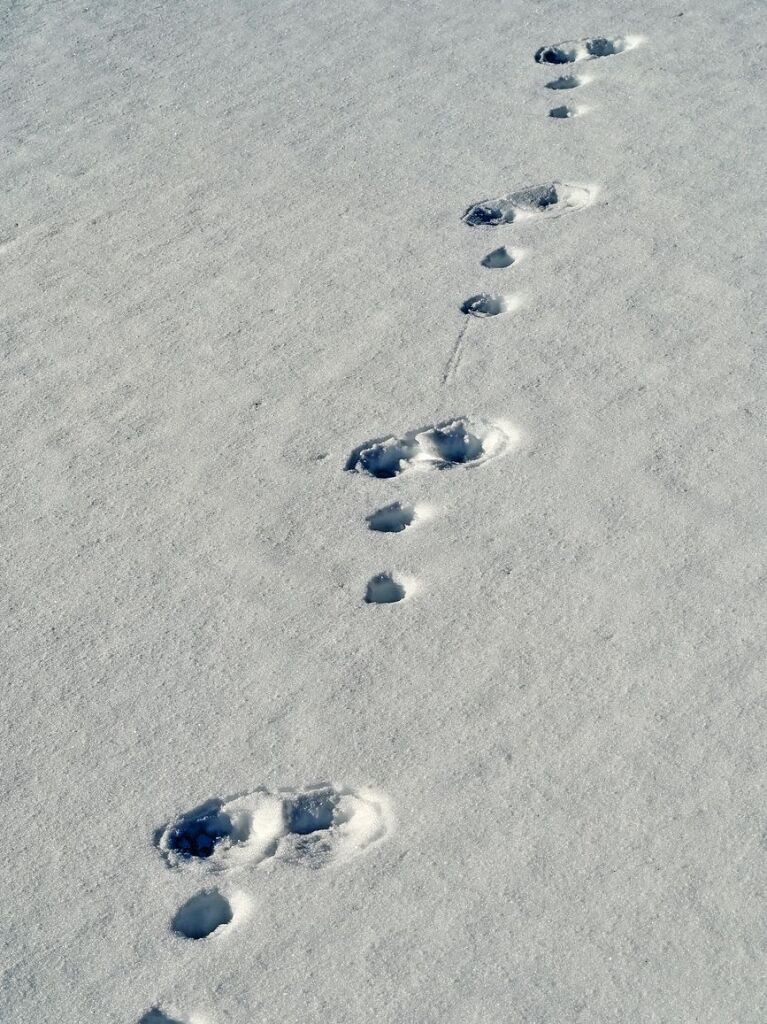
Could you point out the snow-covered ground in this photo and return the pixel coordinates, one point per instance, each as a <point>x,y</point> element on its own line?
<point>383,512</point>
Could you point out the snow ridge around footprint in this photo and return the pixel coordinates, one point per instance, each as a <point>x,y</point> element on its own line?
<point>549,200</point>
<point>465,441</point>
<point>312,827</point>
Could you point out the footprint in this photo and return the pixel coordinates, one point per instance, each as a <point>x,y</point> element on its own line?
<point>539,201</point>
<point>386,458</point>
<point>568,82</point>
<point>501,258</point>
<point>454,445</point>
<point>201,833</point>
<point>264,825</point>
<point>312,812</point>
<point>222,834</point>
<point>327,825</point>
<point>393,518</point>
<point>205,914</point>
<point>158,1016</point>
<point>385,589</point>
<point>585,49</point>
<point>463,441</point>
<point>484,305</point>
<point>566,111</point>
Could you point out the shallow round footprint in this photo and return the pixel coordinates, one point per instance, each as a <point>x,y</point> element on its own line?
<point>500,258</point>
<point>198,833</point>
<point>385,459</point>
<point>585,49</point>
<point>157,1016</point>
<point>466,442</point>
<point>384,589</point>
<point>312,812</point>
<point>203,915</point>
<point>393,518</point>
<point>568,82</point>
<point>564,112</point>
<point>484,305</point>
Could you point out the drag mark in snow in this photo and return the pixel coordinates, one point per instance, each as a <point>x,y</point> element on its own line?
<point>550,200</point>
<point>585,49</point>
<point>451,366</point>
<point>465,441</point>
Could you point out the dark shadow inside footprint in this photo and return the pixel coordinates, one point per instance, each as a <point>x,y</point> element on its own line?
<point>540,198</point>
<point>565,82</point>
<point>202,915</point>
<point>555,55</point>
<point>312,812</point>
<point>485,305</point>
<point>486,214</point>
<point>605,47</point>
<point>381,459</point>
<point>392,519</point>
<point>498,259</point>
<point>156,1016</point>
<point>455,445</point>
<point>562,112</point>
<point>198,833</point>
<point>384,589</point>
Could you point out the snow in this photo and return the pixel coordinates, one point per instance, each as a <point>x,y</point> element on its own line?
<point>233,252</point>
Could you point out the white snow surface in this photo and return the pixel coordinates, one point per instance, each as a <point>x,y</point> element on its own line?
<point>232,252</point>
